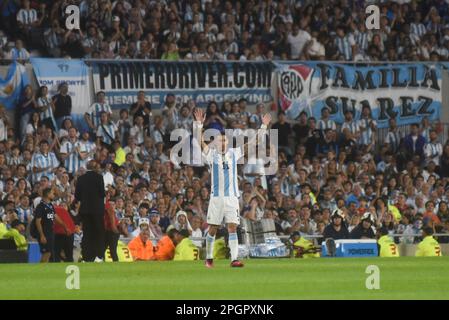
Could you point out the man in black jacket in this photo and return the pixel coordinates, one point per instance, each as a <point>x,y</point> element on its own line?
<point>90,192</point>
<point>63,104</point>
<point>337,228</point>
<point>364,229</point>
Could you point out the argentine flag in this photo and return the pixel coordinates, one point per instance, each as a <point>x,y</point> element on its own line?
<point>12,85</point>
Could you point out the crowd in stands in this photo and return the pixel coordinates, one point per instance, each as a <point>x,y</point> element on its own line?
<point>410,30</point>
<point>338,181</point>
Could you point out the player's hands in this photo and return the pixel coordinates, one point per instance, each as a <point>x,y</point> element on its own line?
<point>266,119</point>
<point>43,240</point>
<point>199,115</point>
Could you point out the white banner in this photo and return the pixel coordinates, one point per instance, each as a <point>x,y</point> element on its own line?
<point>53,72</point>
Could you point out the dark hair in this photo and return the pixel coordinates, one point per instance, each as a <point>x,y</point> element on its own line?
<point>46,192</point>
<point>184,233</point>
<point>428,230</point>
<point>40,91</point>
<point>171,233</point>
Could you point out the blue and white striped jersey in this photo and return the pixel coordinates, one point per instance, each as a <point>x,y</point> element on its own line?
<point>95,111</point>
<point>41,161</point>
<point>367,134</point>
<point>345,45</point>
<point>362,40</point>
<point>73,162</point>
<point>433,152</point>
<point>15,54</point>
<point>393,138</point>
<point>107,131</point>
<point>45,102</point>
<point>353,126</point>
<point>24,214</point>
<point>27,17</point>
<point>223,167</point>
<point>326,124</point>
<point>418,28</point>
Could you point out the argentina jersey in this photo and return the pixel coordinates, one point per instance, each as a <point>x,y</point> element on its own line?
<point>24,214</point>
<point>48,162</point>
<point>366,137</point>
<point>223,169</point>
<point>95,112</point>
<point>73,162</point>
<point>107,132</point>
<point>326,124</point>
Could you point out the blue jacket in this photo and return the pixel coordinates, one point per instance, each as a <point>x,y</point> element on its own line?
<point>419,146</point>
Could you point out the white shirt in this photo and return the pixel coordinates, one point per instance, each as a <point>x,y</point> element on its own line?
<point>297,43</point>
<point>197,234</point>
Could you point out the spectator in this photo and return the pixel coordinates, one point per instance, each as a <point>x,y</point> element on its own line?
<point>73,152</point>
<point>46,107</point>
<point>63,104</point>
<point>107,131</point>
<point>92,117</point>
<point>18,52</point>
<point>27,105</point>
<point>414,142</point>
<point>284,130</point>
<point>141,247</point>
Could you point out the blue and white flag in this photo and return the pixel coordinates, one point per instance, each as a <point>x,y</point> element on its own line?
<point>407,92</point>
<point>12,85</point>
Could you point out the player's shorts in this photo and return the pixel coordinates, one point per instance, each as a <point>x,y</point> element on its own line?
<point>226,208</point>
<point>49,246</point>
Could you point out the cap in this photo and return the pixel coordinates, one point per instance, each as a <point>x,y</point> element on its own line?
<point>144,221</point>
<point>368,216</point>
<point>337,213</point>
<point>154,212</point>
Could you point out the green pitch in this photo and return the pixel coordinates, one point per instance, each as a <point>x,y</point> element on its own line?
<point>403,278</point>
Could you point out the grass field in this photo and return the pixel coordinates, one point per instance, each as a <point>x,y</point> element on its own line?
<point>403,278</point>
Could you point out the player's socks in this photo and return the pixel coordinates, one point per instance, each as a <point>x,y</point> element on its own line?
<point>234,245</point>
<point>210,246</point>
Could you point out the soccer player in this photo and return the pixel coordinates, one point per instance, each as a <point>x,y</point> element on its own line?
<point>387,247</point>
<point>45,217</point>
<point>185,249</point>
<point>428,247</point>
<point>224,201</point>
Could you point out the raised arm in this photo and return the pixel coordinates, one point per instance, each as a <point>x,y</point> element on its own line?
<point>200,117</point>
<point>266,119</point>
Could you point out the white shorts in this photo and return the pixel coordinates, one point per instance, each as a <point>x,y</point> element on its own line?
<point>226,208</point>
